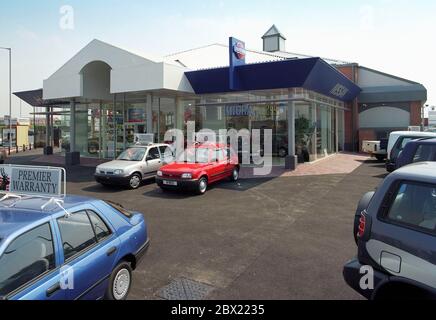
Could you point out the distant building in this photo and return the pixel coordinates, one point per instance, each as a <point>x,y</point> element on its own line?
<point>432,118</point>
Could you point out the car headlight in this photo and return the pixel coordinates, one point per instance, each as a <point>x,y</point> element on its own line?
<point>187,176</point>
<point>118,172</point>
<point>159,174</point>
<point>98,171</point>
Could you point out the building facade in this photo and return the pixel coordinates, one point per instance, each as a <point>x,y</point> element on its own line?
<point>315,107</point>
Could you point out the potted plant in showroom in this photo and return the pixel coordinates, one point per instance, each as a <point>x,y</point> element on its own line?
<point>304,131</point>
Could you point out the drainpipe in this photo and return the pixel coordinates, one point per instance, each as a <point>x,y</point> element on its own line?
<point>291,160</point>
<point>354,108</point>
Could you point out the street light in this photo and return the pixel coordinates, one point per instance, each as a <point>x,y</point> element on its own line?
<point>10,96</point>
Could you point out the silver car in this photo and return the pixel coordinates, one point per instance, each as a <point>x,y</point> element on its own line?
<point>134,165</point>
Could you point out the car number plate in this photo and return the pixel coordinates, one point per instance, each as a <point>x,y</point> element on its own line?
<point>170,183</point>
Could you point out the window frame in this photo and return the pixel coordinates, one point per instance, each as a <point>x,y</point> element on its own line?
<point>89,248</point>
<point>149,153</point>
<point>111,232</point>
<point>432,148</point>
<point>388,201</point>
<point>41,276</point>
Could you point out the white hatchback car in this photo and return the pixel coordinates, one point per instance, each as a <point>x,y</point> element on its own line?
<point>135,164</point>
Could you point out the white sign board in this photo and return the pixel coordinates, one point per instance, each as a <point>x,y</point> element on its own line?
<point>144,138</point>
<point>29,180</point>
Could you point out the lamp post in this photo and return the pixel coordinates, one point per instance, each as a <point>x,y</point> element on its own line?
<point>10,97</point>
<point>423,116</point>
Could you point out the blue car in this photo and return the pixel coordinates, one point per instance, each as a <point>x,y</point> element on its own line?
<point>417,151</point>
<point>79,248</point>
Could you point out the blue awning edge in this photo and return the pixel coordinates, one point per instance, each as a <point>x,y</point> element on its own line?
<point>310,73</point>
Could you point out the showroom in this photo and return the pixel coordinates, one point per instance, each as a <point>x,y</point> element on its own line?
<point>105,95</point>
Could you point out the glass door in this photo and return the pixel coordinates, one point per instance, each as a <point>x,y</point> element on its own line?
<point>132,129</point>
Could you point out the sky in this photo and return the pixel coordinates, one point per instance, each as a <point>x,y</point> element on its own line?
<point>393,36</point>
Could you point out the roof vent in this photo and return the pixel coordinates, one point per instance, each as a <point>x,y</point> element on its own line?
<point>274,40</point>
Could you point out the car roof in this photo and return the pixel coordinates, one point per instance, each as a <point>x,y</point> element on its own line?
<point>148,145</point>
<point>422,171</point>
<point>28,211</point>
<point>413,134</point>
<point>211,146</point>
<point>425,141</point>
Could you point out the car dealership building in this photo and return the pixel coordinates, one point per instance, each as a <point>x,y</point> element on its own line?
<point>315,107</point>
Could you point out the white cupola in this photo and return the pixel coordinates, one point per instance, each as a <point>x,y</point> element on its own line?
<point>274,40</point>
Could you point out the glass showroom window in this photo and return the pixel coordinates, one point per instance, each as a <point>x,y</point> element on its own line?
<point>324,131</point>
<point>305,131</point>
<point>167,116</point>
<point>135,118</point>
<point>81,129</point>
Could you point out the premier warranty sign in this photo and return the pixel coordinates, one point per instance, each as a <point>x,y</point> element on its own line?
<point>43,181</point>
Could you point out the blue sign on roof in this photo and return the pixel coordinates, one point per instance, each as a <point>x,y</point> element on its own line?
<point>311,73</point>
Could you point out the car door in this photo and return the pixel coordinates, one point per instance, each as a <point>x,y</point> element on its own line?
<point>89,248</point>
<point>153,160</point>
<point>404,243</point>
<point>218,164</point>
<point>29,267</point>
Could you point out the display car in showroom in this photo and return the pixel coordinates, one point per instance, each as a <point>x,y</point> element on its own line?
<point>198,167</point>
<point>71,249</point>
<point>395,230</point>
<point>134,165</point>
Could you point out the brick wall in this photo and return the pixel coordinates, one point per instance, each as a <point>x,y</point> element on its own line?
<point>351,124</point>
<point>416,113</point>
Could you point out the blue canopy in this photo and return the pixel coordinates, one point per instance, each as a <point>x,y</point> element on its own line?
<point>311,73</point>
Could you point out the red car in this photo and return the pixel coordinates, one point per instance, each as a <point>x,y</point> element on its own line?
<point>198,167</point>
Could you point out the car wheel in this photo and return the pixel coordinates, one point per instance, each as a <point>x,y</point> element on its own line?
<point>202,186</point>
<point>380,158</point>
<point>283,152</point>
<point>135,181</point>
<point>120,282</point>
<point>235,174</point>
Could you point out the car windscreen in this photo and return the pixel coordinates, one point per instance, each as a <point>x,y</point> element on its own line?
<point>197,155</point>
<point>132,154</point>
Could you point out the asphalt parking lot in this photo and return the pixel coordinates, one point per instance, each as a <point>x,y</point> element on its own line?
<point>282,238</point>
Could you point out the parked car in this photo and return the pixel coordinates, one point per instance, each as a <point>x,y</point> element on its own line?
<point>376,149</point>
<point>397,142</point>
<point>417,151</point>
<point>88,254</point>
<point>3,155</point>
<point>395,229</point>
<point>198,167</point>
<point>134,165</point>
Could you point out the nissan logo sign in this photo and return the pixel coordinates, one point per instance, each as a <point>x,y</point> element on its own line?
<point>239,50</point>
<point>339,91</point>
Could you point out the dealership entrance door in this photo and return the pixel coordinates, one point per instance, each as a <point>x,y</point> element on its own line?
<point>263,117</point>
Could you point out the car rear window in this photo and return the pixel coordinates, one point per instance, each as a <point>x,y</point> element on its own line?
<point>120,208</point>
<point>414,205</point>
<point>425,153</point>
